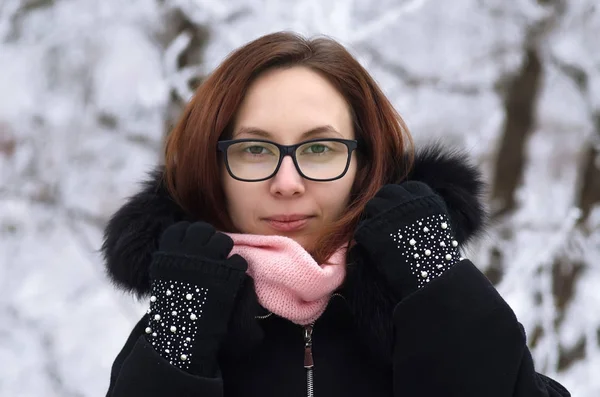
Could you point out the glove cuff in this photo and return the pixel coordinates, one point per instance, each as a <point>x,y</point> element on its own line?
<point>176,308</point>
<point>191,300</point>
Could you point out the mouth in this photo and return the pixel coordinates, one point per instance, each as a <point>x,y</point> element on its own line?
<point>288,223</point>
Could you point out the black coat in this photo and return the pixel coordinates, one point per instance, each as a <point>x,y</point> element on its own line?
<point>455,337</point>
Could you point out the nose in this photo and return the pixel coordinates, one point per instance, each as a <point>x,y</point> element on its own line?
<point>287,182</point>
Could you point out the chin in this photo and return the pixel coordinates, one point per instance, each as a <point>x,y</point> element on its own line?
<point>303,238</point>
<point>304,242</point>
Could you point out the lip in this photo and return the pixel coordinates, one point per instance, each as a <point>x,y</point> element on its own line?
<point>288,223</point>
<point>287,218</point>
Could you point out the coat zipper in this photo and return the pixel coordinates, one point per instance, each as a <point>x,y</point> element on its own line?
<point>308,359</point>
<point>309,363</point>
<point>308,356</point>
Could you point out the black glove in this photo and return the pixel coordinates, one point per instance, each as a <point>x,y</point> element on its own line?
<point>193,286</point>
<point>406,233</point>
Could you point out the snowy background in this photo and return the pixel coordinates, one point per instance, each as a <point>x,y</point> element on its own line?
<point>88,89</point>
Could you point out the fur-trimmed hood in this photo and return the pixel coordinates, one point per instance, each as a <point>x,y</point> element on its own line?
<point>132,234</point>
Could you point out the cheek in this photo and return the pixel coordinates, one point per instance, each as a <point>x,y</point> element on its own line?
<point>348,180</point>
<point>338,202</point>
<point>241,201</point>
<point>232,198</point>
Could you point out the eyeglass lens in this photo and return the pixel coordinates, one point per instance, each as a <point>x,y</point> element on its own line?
<point>253,160</point>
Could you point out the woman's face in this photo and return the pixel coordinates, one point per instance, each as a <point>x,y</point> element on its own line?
<point>283,105</point>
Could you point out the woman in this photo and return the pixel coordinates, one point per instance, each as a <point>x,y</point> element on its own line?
<point>293,245</point>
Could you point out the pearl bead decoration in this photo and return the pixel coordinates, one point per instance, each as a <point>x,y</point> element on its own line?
<point>171,334</point>
<point>428,246</point>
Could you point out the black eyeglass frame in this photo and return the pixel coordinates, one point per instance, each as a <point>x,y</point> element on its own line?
<point>288,150</point>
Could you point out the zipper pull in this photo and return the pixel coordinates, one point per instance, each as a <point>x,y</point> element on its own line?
<point>308,357</point>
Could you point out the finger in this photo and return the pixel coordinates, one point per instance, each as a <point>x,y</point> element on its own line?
<point>417,188</point>
<point>377,206</point>
<point>394,192</point>
<point>172,236</point>
<point>220,245</point>
<point>237,262</point>
<point>197,235</point>
<point>387,197</point>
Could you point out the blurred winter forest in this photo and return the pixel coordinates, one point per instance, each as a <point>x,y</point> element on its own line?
<point>88,90</point>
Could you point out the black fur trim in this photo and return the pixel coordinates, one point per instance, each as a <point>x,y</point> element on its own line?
<point>451,174</point>
<point>132,234</point>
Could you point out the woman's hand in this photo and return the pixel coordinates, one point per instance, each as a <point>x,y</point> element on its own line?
<point>200,240</point>
<point>407,234</point>
<point>193,286</point>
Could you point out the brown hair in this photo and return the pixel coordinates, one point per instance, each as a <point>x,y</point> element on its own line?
<point>192,164</point>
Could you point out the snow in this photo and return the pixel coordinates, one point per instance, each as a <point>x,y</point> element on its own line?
<point>86,92</point>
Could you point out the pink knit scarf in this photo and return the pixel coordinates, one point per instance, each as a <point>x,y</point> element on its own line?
<point>288,281</point>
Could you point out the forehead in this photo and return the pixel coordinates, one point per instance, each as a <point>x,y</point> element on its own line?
<point>286,103</point>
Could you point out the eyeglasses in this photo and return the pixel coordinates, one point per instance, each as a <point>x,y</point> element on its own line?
<point>255,160</point>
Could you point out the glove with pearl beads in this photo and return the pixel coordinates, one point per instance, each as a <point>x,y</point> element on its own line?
<point>406,232</point>
<point>193,289</point>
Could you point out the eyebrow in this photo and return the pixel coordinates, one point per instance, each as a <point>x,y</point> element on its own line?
<point>322,129</point>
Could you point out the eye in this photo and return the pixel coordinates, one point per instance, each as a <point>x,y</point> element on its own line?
<point>258,149</point>
<point>317,148</point>
<point>255,149</point>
